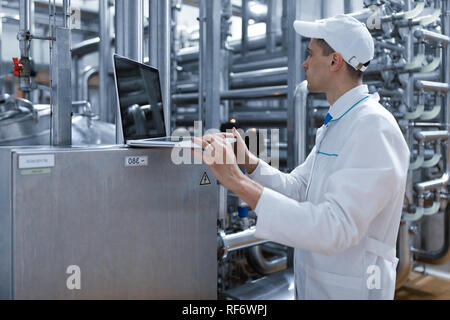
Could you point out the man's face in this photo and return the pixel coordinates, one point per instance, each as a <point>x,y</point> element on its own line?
<point>316,67</point>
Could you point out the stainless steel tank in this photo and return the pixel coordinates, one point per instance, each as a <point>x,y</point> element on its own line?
<point>25,124</point>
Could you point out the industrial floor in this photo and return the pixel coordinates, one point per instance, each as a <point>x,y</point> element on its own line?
<point>420,287</point>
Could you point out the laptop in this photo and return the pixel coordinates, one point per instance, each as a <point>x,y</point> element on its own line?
<point>141,108</point>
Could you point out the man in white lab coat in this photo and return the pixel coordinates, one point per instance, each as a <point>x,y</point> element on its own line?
<point>341,208</point>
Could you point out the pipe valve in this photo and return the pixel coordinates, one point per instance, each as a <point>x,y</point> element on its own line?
<point>18,67</point>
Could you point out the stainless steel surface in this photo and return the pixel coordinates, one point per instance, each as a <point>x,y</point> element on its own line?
<point>135,232</point>
<point>88,131</point>
<point>279,286</point>
<point>22,127</point>
<point>6,275</point>
<point>61,89</point>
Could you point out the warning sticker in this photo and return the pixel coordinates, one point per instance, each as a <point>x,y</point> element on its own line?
<point>205,180</point>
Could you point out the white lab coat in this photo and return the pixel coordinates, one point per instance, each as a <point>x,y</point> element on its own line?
<point>341,208</point>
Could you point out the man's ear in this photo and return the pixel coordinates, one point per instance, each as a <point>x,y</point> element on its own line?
<point>337,61</point>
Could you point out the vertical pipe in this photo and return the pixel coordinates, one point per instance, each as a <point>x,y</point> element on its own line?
<point>295,75</point>
<point>153,33</point>
<point>445,22</point>
<point>403,242</point>
<point>129,29</point>
<point>164,48</point>
<point>129,39</point>
<point>409,100</point>
<point>2,90</point>
<point>404,254</point>
<point>201,59</point>
<point>159,50</point>
<point>301,95</point>
<point>244,27</point>
<point>66,13</point>
<point>104,60</point>
<point>24,25</point>
<point>348,6</point>
<point>271,25</point>
<point>212,61</point>
<point>284,26</point>
<point>61,124</point>
<point>24,45</point>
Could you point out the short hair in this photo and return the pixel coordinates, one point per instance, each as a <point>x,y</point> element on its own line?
<point>327,50</point>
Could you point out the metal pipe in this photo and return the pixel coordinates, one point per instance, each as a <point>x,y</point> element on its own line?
<point>265,266</point>
<point>431,36</point>
<point>431,135</point>
<point>88,73</point>
<point>404,254</point>
<point>201,59</point>
<point>1,51</point>
<point>160,49</point>
<point>235,241</point>
<point>441,255</point>
<point>296,73</point>
<point>24,37</point>
<point>445,29</point>
<point>129,28</point>
<point>190,54</point>
<point>104,62</point>
<point>66,13</point>
<point>432,86</point>
<point>272,25</point>
<point>213,56</point>
<point>24,26</point>
<point>266,77</point>
<point>433,184</point>
<point>129,39</point>
<point>260,64</point>
<point>244,39</point>
<point>242,94</point>
<point>61,122</point>
<point>426,270</point>
<point>301,112</point>
<point>255,93</point>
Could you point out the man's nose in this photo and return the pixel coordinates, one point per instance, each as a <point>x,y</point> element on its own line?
<point>305,65</point>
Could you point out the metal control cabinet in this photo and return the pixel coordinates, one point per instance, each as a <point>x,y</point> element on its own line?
<point>135,230</point>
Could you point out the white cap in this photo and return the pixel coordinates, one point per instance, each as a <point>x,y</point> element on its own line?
<point>345,35</point>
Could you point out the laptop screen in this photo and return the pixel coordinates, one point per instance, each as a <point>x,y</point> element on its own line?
<point>140,100</point>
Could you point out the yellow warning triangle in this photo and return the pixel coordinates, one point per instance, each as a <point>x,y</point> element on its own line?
<point>205,180</point>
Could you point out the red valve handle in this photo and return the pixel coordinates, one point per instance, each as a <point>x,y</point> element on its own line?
<point>17,67</point>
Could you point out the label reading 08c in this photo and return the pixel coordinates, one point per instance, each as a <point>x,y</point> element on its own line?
<point>141,161</point>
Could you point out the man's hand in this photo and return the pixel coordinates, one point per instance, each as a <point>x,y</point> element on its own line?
<point>244,157</point>
<point>219,155</point>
